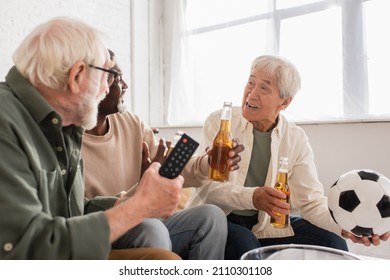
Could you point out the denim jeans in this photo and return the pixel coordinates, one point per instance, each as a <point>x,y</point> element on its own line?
<point>151,233</point>
<point>198,233</point>
<point>305,233</point>
<point>239,241</point>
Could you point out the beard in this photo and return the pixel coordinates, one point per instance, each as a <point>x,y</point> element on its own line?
<point>88,107</point>
<point>121,107</point>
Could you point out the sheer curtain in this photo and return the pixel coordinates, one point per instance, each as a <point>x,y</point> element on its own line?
<point>181,95</point>
<point>333,43</point>
<point>209,64</point>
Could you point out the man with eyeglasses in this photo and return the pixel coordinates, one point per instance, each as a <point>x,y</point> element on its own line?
<point>47,100</point>
<point>117,151</point>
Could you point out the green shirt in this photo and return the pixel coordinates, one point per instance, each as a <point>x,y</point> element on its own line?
<point>258,165</point>
<point>41,182</point>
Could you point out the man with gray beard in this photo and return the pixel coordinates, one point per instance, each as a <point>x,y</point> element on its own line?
<point>116,153</point>
<point>48,99</point>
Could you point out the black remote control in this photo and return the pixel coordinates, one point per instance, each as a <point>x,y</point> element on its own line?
<point>178,157</point>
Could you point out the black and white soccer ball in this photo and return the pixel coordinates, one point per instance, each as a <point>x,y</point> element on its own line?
<point>359,202</point>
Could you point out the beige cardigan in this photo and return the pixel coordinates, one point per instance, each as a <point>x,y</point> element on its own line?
<point>112,162</point>
<point>287,140</point>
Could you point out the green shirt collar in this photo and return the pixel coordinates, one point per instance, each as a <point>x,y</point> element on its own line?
<point>28,95</point>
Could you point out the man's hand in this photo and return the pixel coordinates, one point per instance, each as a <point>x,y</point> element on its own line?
<point>234,157</point>
<point>158,195</point>
<point>366,240</point>
<point>155,197</point>
<point>160,156</point>
<point>269,200</point>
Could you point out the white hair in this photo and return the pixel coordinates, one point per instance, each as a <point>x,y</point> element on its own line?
<point>289,81</point>
<point>47,54</point>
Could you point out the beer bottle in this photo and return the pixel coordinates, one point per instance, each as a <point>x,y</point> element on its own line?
<point>176,137</point>
<point>222,144</point>
<point>282,185</point>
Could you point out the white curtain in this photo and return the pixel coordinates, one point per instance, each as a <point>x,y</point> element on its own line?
<point>326,40</point>
<point>180,95</point>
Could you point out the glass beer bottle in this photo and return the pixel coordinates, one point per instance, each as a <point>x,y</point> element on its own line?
<point>176,137</point>
<point>282,185</point>
<point>222,144</point>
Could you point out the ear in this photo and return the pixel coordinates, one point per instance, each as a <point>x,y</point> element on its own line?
<point>77,75</point>
<point>286,102</point>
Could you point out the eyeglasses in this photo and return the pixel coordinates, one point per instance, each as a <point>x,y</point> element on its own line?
<point>113,76</point>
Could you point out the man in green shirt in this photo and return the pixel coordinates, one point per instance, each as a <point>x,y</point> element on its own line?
<point>47,100</point>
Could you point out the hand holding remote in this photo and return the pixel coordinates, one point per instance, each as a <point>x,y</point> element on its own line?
<point>178,157</point>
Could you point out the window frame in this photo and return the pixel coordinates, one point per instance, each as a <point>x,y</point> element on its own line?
<point>160,15</point>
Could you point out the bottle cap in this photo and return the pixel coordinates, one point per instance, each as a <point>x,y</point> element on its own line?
<point>227,103</point>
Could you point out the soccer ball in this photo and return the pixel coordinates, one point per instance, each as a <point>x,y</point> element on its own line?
<point>359,202</point>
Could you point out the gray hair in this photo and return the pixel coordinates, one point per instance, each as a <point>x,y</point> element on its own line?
<point>48,53</point>
<point>289,81</point>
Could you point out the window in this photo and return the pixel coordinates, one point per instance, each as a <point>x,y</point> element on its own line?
<point>313,43</point>
<point>335,45</point>
<point>378,48</point>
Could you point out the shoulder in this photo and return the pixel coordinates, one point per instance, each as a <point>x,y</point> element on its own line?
<point>130,122</point>
<point>8,100</point>
<point>236,112</point>
<point>127,120</point>
<point>215,116</point>
<point>291,127</point>
<point>12,110</point>
<point>290,132</point>
<point>126,116</point>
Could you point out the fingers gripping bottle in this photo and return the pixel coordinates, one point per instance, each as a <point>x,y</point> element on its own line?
<point>282,185</point>
<point>222,144</point>
<point>176,137</point>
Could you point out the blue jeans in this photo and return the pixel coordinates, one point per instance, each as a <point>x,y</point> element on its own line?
<point>305,233</point>
<point>197,233</point>
<point>239,241</point>
<point>151,233</point>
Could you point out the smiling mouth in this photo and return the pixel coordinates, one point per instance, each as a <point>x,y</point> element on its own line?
<point>252,107</point>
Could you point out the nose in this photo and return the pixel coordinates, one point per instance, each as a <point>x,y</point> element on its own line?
<point>124,85</point>
<point>254,93</point>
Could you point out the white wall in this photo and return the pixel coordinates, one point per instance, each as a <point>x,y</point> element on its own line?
<point>19,17</point>
<point>338,147</point>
